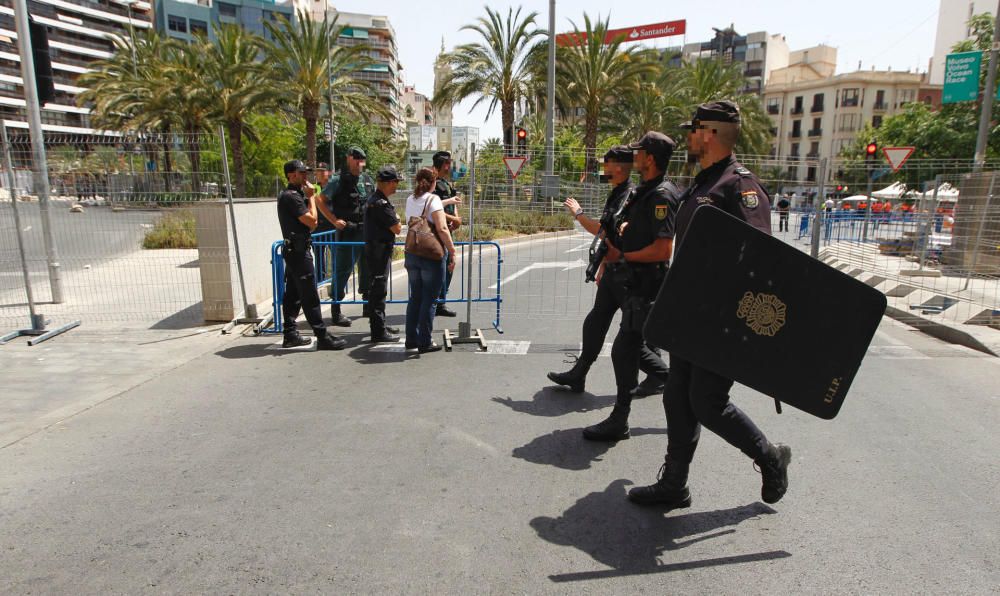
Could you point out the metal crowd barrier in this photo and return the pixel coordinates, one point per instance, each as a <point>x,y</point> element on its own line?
<point>325,257</point>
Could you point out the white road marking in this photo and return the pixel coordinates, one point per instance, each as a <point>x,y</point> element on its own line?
<point>585,247</point>
<point>896,352</point>
<point>507,348</point>
<point>564,265</point>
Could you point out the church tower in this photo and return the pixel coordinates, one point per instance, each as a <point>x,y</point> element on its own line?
<point>442,112</point>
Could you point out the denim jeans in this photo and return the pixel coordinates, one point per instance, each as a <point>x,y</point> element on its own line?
<point>426,277</point>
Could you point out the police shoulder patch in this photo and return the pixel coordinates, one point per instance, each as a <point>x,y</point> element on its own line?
<point>750,199</point>
<point>743,171</point>
<point>704,200</point>
<point>661,211</point>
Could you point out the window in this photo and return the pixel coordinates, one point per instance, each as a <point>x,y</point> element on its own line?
<point>849,122</point>
<point>810,174</point>
<point>849,98</point>
<point>817,102</point>
<point>880,99</point>
<point>178,24</point>
<point>198,27</point>
<point>876,121</point>
<point>817,123</point>
<point>227,10</point>
<point>814,149</point>
<point>796,128</point>
<point>773,106</point>
<point>795,150</point>
<point>797,109</point>
<point>907,96</point>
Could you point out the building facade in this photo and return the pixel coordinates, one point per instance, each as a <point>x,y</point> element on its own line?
<point>817,114</point>
<point>760,53</point>
<point>417,108</point>
<point>79,33</point>
<point>952,28</point>
<point>184,19</point>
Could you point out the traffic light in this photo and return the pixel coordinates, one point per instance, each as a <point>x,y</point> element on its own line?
<point>522,141</point>
<point>871,150</point>
<point>840,188</point>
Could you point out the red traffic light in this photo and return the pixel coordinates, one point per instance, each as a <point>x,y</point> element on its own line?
<point>871,149</point>
<point>522,134</point>
<point>840,188</point>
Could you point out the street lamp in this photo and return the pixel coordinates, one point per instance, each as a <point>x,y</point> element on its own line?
<point>329,86</point>
<point>131,34</point>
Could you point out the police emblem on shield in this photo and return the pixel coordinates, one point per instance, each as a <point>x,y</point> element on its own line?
<point>763,313</point>
<point>661,212</point>
<point>750,199</point>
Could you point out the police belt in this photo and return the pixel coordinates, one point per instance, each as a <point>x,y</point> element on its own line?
<point>298,243</point>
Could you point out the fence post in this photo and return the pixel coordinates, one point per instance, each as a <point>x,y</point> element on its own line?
<point>249,310</point>
<point>465,333</point>
<point>818,213</point>
<point>979,234</point>
<point>925,234</point>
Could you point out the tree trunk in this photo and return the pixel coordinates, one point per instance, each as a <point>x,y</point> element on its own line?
<point>236,141</point>
<point>310,112</point>
<point>590,143</point>
<point>507,118</point>
<point>194,155</point>
<point>168,165</point>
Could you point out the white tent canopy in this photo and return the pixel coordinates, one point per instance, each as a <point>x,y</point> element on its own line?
<point>945,192</point>
<point>893,191</point>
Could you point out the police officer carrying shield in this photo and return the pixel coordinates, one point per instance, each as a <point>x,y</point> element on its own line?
<point>347,193</point>
<point>639,248</point>
<point>617,169</point>
<point>381,227</point>
<point>444,189</point>
<point>297,217</point>
<point>695,397</point>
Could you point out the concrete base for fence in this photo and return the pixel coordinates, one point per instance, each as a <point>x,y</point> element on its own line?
<point>939,307</point>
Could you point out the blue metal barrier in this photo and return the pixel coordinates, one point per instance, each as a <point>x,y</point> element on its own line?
<point>325,257</point>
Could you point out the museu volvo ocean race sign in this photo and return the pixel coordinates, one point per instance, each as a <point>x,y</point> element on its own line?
<point>961,77</point>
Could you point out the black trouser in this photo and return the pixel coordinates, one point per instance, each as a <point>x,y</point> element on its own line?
<point>377,257</point>
<point>695,397</point>
<point>300,292</point>
<point>782,221</point>
<point>595,328</point>
<point>630,352</point>
<point>346,257</point>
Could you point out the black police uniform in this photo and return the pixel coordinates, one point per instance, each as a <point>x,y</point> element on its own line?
<point>694,396</point>
<point>347,194</point>
<point>300,276</point>
<point>380,217</point>
<point>445,190</point>
<point>649,213</point>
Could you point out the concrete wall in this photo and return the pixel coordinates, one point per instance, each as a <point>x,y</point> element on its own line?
<point>257,228</point>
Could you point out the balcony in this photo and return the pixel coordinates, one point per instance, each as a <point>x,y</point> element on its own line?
<point>880,106</point>
<point>812,155</point>
<point>815,132</point>
<point>795,134</point>
<point>774,110</point>
<point>850,103</point>
<point>753,72</point>
<point>797,110</point>
<point>817,108</point>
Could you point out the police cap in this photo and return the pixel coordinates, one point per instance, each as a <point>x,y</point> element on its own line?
<point>357,153</point>
<point>619,154</point>
<point>296,165</point>
<point>715,111</point>
<point>656,144</point>
<point>440,157</point>
<point>387,174</point>
<point>322,166</point>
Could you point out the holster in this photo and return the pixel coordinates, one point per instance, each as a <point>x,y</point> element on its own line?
<point>634,313</point>
<point>298,243</point>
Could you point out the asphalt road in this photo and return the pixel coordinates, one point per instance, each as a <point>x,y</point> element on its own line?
<point>253,470</point>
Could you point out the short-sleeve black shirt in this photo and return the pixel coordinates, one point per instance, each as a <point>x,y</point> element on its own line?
<point>380,216</point>
<point>614,202</point>
<point>729,186</point>
<point>650,214</point>
<point>446,190</point>
<point>292,205</point>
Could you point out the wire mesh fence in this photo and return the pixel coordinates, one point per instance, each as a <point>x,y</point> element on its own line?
<point>115,241</point>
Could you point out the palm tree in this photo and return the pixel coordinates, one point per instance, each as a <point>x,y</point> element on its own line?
<point>242,87</point>
<point>304,64</point>
<point>593,74</point>
<point>493,69</point>
<point>186,85</point>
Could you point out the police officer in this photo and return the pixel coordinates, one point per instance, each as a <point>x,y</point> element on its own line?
<point>381,227</point>
<point>617,171</point>
<point>347,193</point>
<point>695,397</point>
<point>444,189</point>
<point>639,248</point>
<point>297,218</point>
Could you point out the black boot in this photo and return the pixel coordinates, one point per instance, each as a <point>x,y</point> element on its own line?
<point>294,340</point>
<point>774,472</point>
<point>327,341</point>
<point>337,318</point>
<point>444,311</point>
<point>384,337</point>
<point>575,378</point>
<point>670,488</point>
<point>613,428</point>
<point>649,386</point>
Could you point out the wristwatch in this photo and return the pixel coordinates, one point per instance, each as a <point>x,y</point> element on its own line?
<point>578,213</point>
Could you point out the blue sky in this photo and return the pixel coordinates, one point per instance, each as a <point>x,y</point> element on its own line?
<point>883,33</point>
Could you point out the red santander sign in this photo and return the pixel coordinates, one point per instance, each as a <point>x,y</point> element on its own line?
<point>667,29</point>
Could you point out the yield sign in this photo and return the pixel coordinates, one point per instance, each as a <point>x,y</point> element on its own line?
<point>897,156</point>
<point>514,165</point>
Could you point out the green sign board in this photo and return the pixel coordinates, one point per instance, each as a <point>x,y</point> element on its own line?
<point>961,77</point>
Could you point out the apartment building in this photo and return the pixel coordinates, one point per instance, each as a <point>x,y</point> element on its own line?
<point>759,53</point>
<point>184,19</point>
<point>79,32</point>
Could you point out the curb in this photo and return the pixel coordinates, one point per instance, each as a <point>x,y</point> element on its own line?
<point>939,330</point>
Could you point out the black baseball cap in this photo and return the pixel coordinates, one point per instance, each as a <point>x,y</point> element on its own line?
<point>357,153</point>
<point>655,143</point>
<point>440,157</point>
<point>715,111</point>
<point>619,154</point>
<point>322,166</point>
<point>296,165</point>
<point>387,174</point>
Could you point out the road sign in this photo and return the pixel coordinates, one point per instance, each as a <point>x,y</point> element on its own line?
<point>961,77</point>
<point>514,165</point>
<point>897,156</point>
<point>640,33</point>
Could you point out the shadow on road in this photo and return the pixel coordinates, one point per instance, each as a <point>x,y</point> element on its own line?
<point>568,450</point>
<point>552,401</point>
<point>632,539</point>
